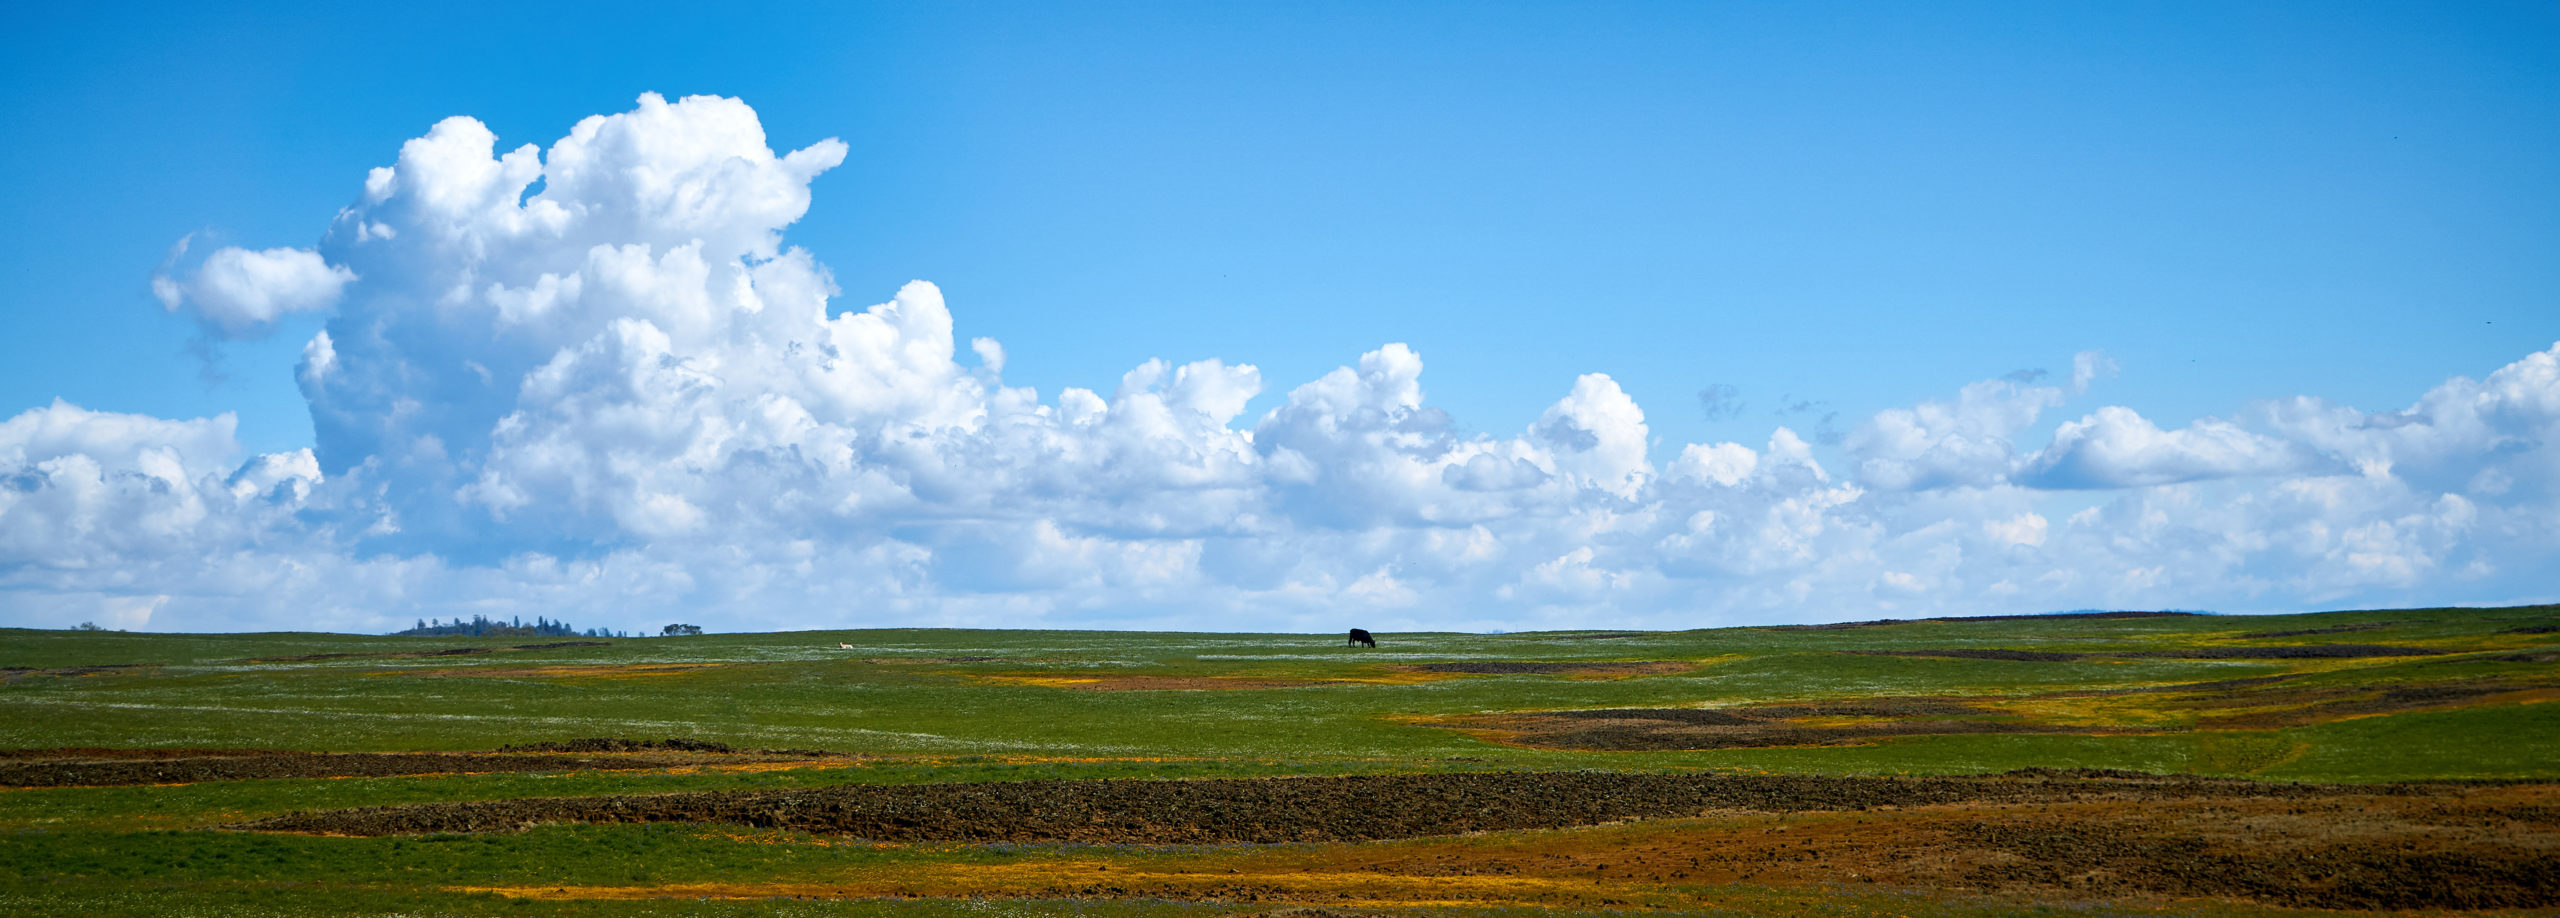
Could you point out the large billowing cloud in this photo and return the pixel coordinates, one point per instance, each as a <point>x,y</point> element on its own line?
<point>593,381</point>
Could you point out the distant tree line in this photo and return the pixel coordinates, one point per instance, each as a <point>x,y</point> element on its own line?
<point>483,626</point>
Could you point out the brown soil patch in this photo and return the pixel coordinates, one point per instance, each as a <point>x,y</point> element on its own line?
<point>1105,879</point>
<point>1872,707</point>
<point>2393,847</point>
<point>2037,837</point>
<point>123,767</point>
<point>618,744</point>
<point>1253,810</point>
<point>1582,668</point>
<point>672,744</point>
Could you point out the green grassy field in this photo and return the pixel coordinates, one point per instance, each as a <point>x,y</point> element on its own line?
<point>2464,697</point>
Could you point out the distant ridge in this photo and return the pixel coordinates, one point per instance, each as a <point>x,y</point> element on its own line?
<point>2076,613</point>
<point>2029,616</point>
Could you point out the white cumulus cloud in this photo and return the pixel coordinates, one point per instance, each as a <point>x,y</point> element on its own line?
<point>594,380</point>
<point>2115,447</point>
<point>1966,442</point>
<point>238,291</point>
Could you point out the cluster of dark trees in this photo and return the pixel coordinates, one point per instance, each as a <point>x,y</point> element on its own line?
<point>483,626</point>
<point>673,630</point>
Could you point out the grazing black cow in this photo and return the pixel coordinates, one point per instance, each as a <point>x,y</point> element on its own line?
<point>1361,638</point>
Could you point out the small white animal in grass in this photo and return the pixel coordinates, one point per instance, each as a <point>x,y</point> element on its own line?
<point>845,646</point>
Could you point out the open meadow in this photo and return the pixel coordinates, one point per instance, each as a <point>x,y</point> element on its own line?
<point>2101,764</point>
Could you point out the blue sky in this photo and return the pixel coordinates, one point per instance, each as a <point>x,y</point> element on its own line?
<point>1820,211</point>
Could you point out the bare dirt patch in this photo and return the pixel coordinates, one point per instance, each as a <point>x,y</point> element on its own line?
<point>121,767</point>
<point>672,744</point>
<point>1252,810</point>
<point>1592,839</point>
<point>2470,847</point>
<point>1871,707</point>
<point>2391,846</point>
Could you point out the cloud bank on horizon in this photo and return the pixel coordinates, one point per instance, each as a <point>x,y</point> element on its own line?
<point>593,382</point>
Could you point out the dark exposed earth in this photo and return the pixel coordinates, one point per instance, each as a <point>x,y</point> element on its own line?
<point>1149,811</point>
<point>2036,833</point>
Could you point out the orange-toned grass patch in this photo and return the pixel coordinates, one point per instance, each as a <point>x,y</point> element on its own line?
<point>2145,851</point>
<point>1097,879</point>
<point>757,767</point>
